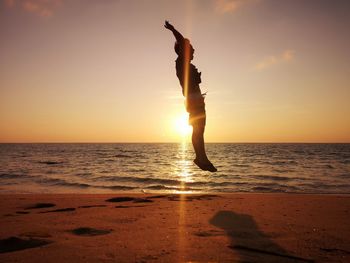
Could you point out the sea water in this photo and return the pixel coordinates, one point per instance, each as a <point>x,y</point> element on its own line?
<point>168,167</point>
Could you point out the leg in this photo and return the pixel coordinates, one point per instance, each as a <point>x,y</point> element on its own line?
<point>201,160</point>
<point>198,143</point>
<point>196,109</point>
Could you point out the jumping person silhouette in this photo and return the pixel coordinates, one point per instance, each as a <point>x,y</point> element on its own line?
<point>190,79</point>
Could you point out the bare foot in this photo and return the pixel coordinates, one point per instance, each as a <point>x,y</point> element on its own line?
<point>205,165</point>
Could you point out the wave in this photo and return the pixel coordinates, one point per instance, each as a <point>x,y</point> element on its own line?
<point>163,181</point>
<point>242,165</point>
<point>134,170</point>
<point>281,163</point>
<point>137,179</point>
<point>14,176</point>
<point>319,185</point>
<point>164,187</point>
<point>84,174</point>
<point>169,183</point>
<point>61,182</point>
<point>272,177</point>
<point>282,171</point>
<point>116,187</point>
<point>267,189</point>
<point>220,184</point>
<point>129,151</point>
<point>51,162</point>
<point>328,166</point>
<point>122,156</point>
<point>345,175</point>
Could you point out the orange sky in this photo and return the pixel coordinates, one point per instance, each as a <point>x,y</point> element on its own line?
<point>104,71</point>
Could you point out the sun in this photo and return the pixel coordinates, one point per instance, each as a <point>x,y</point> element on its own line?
<point>181,125</point>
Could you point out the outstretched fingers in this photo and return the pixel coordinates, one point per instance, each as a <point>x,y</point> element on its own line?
<point>168,25</point>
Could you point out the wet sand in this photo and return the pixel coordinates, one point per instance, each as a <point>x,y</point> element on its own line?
<point>174,228</point>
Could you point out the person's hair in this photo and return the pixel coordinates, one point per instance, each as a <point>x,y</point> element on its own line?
<point>180,46</point>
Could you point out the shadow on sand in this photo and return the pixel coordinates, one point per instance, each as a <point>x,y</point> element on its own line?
<point>249,242</point>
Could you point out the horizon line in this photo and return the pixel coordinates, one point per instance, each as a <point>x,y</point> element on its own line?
<point>178,142</point>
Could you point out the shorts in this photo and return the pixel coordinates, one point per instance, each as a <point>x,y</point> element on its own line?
<point>195,106</point>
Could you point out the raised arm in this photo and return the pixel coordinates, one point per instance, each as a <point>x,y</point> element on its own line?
<point>177,34</point>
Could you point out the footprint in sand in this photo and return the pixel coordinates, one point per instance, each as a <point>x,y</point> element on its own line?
<point>34,234</point>
<point>22,212</point>
<point>91,206</point>
<point>69,209</point>
<point>40,205</point>
<point>87,231</point>
<point>120,199</point>
<point>12,244</point>
<point>157,196</point>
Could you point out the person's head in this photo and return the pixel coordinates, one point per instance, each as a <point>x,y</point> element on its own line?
<point>185,49</point>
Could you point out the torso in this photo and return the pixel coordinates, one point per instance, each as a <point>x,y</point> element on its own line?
<point>194,77</point>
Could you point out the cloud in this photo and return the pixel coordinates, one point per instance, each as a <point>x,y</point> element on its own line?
<point>42,8</point>
<point>288,55</point>
<point>284,57</point>
<point>229,6</point>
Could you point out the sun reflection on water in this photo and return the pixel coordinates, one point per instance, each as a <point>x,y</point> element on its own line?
<point>184,174</point>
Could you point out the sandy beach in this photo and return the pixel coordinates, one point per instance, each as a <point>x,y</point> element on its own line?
<point>174,228</point>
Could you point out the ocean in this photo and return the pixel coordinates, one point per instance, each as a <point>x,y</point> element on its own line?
<point>168,167</point>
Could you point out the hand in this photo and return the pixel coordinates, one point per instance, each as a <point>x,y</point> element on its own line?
<point>168,25</point>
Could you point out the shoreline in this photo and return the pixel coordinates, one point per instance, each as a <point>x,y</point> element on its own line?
<point>230,227</point>
<point>172,193</point>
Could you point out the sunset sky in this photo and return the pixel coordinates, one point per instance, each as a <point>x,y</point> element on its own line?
<point>104,70</point>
